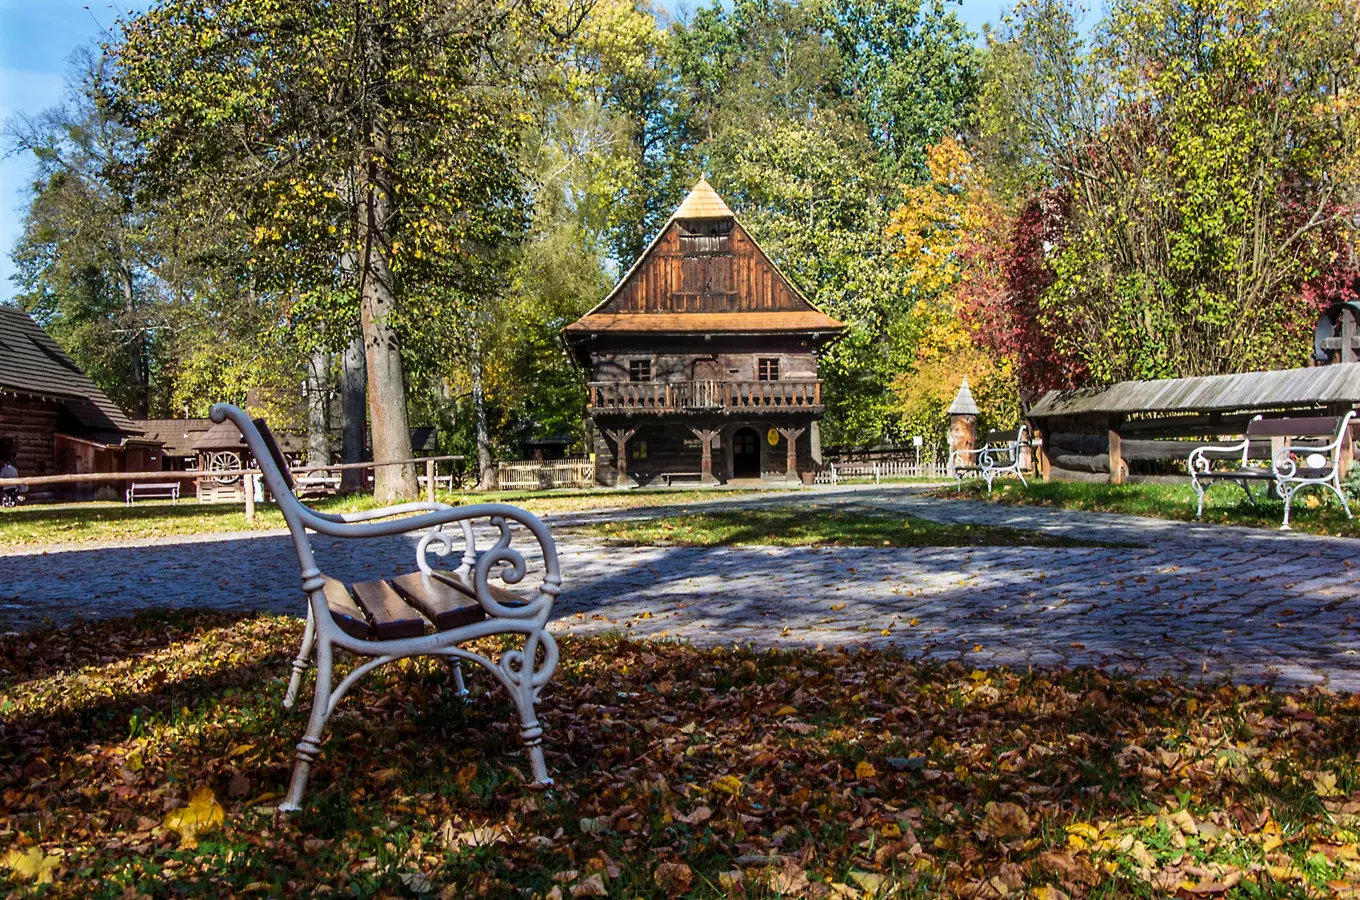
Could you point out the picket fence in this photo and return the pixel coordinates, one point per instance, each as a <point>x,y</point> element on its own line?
<point>543,476</point>
<point>836,472</point>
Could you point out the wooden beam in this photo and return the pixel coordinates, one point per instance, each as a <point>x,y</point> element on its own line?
<point>706,436</point>
<point>620,437</point>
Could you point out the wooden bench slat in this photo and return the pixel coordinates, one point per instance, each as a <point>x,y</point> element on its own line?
<point>464,585</point>
<point>345,612</point>
<point>443,605</point>
<point>1302,427</point>
<point>391,617</point>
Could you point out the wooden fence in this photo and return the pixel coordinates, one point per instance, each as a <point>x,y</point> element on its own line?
<point>543,476</point>
<point>879,470</point>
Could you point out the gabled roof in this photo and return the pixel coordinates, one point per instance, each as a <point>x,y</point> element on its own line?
<point>704,203</point>
<point>32,363</point>
<point>177,436</point>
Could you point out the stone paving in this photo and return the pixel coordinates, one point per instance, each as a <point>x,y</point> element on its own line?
<point>1188,600</point>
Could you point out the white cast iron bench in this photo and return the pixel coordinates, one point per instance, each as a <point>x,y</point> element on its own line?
<point>1000,455</point>
<point>428,612</point>
<point>1292,468</point>
<point>167,490</point>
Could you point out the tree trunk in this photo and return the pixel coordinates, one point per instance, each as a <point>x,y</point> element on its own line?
<point>486,470</point>
<point>141,352</point>
<point>352,414</point>
<point>318,402</point>
<point>377,305</point>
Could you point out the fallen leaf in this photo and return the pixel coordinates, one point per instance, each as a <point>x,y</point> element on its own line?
<point>202,814</point>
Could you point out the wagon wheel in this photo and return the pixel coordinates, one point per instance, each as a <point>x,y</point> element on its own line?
<point>224,461</point>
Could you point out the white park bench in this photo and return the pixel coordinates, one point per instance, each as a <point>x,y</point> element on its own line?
<point>166,490</point>
<point>1292,468</point>
<point>428,612</point>
<point>1000,455</point>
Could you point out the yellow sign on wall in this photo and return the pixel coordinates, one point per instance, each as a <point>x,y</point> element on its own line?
<point>772,436</point>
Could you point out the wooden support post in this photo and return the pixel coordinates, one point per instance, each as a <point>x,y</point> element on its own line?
<point>429,480</point>
<point>620,438</point>
<point>706,436</point>
<point>1042,463</point>
<point>791,436</point>
<point>1118,470</point>
<point>248,482</point>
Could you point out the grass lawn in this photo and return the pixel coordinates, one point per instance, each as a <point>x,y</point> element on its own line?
<point>87,522</point>
<point>681,772</point>
<point>1225,504</point>
<point>803,528</point>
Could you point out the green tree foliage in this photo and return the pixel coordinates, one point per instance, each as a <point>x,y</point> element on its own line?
<point>805,116</point>
<point>369,143</point>
<point>87,257</point>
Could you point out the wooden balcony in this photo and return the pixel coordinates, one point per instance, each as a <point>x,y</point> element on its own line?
<point>705,396</point>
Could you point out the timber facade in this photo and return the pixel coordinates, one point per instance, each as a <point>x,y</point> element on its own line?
<point>702,363</point>
<point>55,421</point>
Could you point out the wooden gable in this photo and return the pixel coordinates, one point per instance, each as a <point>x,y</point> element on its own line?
<point>711,266</point>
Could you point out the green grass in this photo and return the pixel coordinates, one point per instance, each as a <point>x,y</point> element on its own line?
<point>41,525</point>
<point>851,767</point>
<point>1312,512</point>
<point>817,528</point>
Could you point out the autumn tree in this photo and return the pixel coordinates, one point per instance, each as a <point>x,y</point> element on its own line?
<point>1201,163</point>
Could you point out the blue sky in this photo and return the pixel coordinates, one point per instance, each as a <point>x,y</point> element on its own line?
<point>37,38</point>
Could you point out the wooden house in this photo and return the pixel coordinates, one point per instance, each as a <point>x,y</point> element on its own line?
<point>703,361</point>
<point>55,421</point>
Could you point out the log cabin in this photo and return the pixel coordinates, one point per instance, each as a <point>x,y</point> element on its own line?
<point>54,420</point>
<point>702,362</point>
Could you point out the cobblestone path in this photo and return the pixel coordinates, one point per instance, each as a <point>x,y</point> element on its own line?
<point>1191,601</point>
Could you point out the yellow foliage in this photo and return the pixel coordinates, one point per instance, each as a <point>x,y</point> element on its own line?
<point>202,814</point>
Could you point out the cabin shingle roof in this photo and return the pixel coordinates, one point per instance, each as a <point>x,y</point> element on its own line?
<point>32,363</point>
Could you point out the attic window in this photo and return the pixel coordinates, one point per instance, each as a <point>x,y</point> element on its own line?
<point>639,370</point>
<point>767,370</point>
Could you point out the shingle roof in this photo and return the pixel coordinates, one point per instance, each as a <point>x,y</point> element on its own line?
<point>720,322</point>
<point>178,436</point>
<point>964,404</point>
<point>1322,385</point>
<point>702,203</point>
<point>32,363</point>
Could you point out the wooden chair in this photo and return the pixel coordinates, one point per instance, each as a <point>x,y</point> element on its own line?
<point>428,612</point>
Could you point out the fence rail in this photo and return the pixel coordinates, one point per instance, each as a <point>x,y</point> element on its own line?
<point>542,476</point>
<point>835,473</point>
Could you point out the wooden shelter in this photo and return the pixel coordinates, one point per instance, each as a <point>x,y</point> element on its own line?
<point>1096,433</point>
<point>54,420</point>
<point>702,362</point>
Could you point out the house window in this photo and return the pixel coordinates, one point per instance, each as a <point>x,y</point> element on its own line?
<point>637,450</point>
<point>639,370</point>
<point>767,370</point>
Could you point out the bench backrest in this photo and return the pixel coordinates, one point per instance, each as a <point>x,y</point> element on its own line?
<point>274,452</point>
<point>1015,435</point>
<point>1312,426</point>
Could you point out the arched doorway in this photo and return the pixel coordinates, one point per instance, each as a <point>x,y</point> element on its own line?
<point>746,454</point>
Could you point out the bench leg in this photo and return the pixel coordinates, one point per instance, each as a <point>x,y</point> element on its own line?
<point>310,746</point>
<point>1287,494</point>
<point>1021,476</point>
<point>301,661</point>
<point>456,669</point>
<point>1199,492</point>
<point>531,732</point>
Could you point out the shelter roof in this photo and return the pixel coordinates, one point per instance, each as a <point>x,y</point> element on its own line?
<point>1281,388</point>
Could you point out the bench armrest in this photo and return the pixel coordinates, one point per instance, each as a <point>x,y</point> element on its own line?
<point>1198,462</point>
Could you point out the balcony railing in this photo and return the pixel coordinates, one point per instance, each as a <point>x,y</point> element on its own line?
<point>704,396</point>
